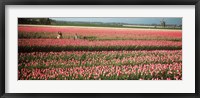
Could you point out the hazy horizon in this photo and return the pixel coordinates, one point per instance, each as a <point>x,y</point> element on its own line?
<point>129,20</point>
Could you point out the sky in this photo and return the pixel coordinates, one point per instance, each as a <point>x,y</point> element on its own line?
<point>149,20</point>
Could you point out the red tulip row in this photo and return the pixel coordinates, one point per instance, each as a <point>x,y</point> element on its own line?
<point>102,33</point>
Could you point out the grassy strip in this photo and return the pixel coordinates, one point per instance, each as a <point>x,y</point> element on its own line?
<point>164,39</point>
<point>115,26</point>
<point>92,48</point>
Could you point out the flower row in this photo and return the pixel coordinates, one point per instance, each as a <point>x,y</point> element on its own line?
<point>103,32</point>
<point>110,72</point>
<point>95,58</point>
<point>71,42</point>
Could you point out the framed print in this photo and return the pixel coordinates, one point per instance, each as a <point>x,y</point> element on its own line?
<point>100,48</point>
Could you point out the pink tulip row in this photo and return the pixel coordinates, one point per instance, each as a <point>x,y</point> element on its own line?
<point>104,32</point>
<point>71,42</point>
<point>133,65</point>
<point>110,72</point>
<point>73,58</point>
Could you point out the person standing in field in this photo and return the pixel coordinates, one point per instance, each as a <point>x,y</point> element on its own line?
<point>76,36</point>
<point>59,36</point>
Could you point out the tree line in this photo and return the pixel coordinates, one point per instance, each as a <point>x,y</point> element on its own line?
<point>42,21</point>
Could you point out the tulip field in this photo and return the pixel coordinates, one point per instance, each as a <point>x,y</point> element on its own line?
<point>98,53</point>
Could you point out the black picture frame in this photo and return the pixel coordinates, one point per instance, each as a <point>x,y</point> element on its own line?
<point>100,2</point>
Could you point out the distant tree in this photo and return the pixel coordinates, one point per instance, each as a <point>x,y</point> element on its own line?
<point>180,25</point>
<point>42,21</point>
<point>163,23</point>
<point>48,22</point>
<point>174,26</point>
<point>24,20</point>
